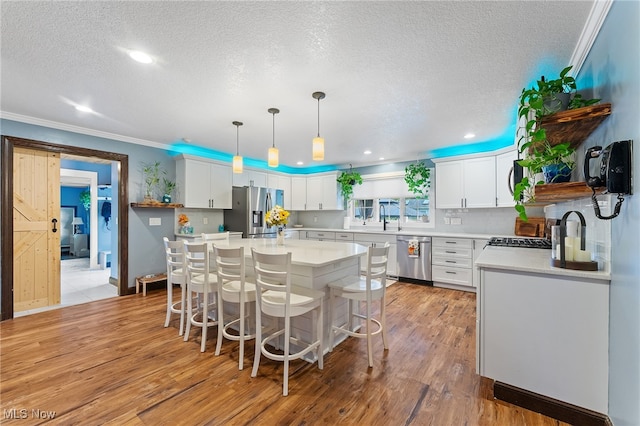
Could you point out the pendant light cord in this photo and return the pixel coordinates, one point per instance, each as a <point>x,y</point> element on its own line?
<point>274,130</point>
<point>318,117</point>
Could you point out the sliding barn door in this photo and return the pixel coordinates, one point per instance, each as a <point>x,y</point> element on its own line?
<point>36,213</point>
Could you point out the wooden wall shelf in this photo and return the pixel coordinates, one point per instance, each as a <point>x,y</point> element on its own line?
<point>157,205</point>
<point>559,192</point>
<point>574,125</point>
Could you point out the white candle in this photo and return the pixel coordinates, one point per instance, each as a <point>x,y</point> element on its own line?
<point>582,256</point>
<point>568,248</point>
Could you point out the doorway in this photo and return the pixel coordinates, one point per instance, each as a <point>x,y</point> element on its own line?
<point>119,258</point>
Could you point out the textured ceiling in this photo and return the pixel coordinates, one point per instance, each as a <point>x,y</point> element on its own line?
<point>401,78</point>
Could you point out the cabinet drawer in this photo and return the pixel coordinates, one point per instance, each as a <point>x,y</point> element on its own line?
<point>367,239</point>
<point>452,252</point>
<point>344,236</point>
<point>322,235</point>
<point>452,275</point>
<point>452,261</point>
<point>453,242</point>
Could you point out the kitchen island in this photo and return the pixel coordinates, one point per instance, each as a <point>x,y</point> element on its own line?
<point>314,264</point>
<point>543,330</point>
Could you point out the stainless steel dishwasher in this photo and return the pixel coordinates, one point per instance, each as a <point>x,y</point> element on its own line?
<point>414,259</point>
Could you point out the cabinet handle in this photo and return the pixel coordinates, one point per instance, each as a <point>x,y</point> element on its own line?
<point>451,261</point>
<point>450,272</point>
<point>450,252</point>
<point>462,202</point>
<point>451,242</point>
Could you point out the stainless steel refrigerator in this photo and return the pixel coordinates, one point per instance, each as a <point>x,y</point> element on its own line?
<point>250,205</point>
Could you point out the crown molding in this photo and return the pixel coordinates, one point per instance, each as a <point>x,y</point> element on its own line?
<point>590,31</point>
<point>81,130</point>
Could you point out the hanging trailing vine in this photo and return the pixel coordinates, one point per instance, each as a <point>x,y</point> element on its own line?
<point>417,175</point>
<point>347,180</point>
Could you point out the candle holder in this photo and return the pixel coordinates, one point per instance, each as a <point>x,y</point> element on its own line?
<point>579,258</point>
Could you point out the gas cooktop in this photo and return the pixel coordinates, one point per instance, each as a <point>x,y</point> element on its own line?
<point>520,242</point>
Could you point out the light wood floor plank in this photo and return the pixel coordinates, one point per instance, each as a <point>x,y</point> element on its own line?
<point>113,362</point>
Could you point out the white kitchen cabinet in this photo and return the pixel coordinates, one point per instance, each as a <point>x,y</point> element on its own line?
<point>277,181</point>
<point>546,334</point>
<point>250,177</point>
<point>468,183</point>
<point>298,193</point>
<point>203,184</point>
<point>478,246</point>
<point>378,240</point>
<point>504,178</point>
<point>452,263</point>
<point>321,235</point>
<point>322,192</point>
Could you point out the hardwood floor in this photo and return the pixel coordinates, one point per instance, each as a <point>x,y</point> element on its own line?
<point>113,362</point>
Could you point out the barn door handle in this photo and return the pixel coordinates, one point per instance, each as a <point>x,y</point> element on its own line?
<point>54,221</point>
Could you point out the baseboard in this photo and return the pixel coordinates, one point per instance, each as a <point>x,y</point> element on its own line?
<point>550,407</point>
<point>415,281</point>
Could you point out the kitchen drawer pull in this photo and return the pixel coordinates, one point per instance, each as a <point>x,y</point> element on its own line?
<point>450,272</point>
<point>451,261</point>
<point>451,252</point>
<point>451,242</point>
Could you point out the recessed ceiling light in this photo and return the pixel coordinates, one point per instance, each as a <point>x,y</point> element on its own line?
<point>367,152</point>
<point>83,108</point>
<point>470,135</point>
<point>381,158</point>
<point>141,57</point>
<point>300,163</point>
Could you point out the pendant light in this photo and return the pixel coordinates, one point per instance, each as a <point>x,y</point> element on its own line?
<point>318,142</point>
<point>237,159</point>
<point>272,156</point>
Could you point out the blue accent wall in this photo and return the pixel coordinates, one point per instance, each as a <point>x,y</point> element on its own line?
<point>612,68</point>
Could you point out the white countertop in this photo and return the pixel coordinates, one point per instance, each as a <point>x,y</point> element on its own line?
<point>303,252</point>
<point>530,260</point>
<point>408,232</point>
<point>198,235</point>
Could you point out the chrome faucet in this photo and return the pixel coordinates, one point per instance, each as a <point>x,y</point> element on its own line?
<point>383,215</point>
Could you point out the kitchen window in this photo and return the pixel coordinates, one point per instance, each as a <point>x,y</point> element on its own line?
<point>416,210</point>
<point>388,193</point>
<point>363,210</point>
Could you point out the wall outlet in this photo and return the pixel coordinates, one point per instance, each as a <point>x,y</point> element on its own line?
<point>456,221</point>
<point>315,219</point>
<point>155,221</point>
<point>205,220</point>
<point>447,220</point>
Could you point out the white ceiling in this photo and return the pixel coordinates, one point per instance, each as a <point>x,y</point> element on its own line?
<point>401,78</point>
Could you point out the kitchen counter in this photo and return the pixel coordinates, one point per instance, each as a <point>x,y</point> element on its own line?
<point>543,329</point>
<point>416,232</point>
<point>530,260</point>
<point>232,234</point>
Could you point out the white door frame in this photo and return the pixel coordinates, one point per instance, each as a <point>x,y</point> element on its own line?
<point>87,179</point>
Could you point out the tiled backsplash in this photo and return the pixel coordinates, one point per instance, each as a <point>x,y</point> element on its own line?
<point>598,236</point>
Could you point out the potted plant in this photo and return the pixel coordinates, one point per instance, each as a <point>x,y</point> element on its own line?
<point>555,163</point>
<point>168,186</point>
<point>85,199</point>
<point>151,173</point>
<point>550,96</point>
<point>416,175</point>
<point>347,180</point>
